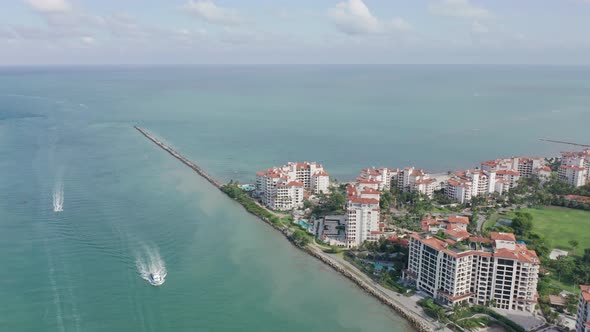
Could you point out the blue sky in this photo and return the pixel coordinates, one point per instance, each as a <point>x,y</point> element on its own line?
<point>294,31</point>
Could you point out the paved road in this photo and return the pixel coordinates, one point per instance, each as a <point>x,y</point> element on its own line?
<point>407,302</point>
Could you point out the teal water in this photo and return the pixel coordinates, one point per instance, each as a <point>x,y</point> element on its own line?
<point>127,202</point>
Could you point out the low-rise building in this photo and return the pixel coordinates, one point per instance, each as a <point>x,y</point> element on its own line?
<point>583,316</point>
<point>462,268</point>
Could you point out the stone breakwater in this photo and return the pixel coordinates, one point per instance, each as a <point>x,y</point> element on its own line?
<point>416,321</point>
<point>180,157</point>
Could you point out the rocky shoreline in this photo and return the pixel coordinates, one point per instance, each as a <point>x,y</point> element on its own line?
<point>419,324</point>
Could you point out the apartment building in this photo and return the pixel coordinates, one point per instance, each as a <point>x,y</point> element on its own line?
<point>282,188</point>
<point>575,167</point>
<point>411,179</point>
<point>362,213</point>
<point>524,166</point>
<point>464,185</point>
<point>385,176</point>
<point>460,268</point>
<point>583,316</point>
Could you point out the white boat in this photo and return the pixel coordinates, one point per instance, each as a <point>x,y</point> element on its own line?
<point>155,279</point>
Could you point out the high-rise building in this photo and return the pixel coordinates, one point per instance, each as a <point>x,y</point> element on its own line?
<point>281,188</point>
<point>583,316</point>
<point>458,267</point>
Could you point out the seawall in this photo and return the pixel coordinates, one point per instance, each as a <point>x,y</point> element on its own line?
<point>419,323</point>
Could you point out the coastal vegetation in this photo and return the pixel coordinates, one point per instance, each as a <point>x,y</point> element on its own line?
<point>470,318</point>
<point>295,233</point>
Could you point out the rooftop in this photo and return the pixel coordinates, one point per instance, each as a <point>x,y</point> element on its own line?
<point>502,236</point>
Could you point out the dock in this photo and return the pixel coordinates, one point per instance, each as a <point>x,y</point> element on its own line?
<point>180,157</point>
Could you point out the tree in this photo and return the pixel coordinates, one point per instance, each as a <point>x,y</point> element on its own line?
<point>574,244</point>
<point>522,223</point>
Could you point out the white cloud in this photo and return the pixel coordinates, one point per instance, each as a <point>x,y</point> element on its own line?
<point>50,6</point>
<point>459,8</point>
<point>353,17</point>
<point>207,11</point>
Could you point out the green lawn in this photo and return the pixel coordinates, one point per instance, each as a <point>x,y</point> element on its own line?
<point>559,224</point>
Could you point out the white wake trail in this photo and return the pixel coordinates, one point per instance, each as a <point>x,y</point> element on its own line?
<point>58,197</point>
<point>150,262</point>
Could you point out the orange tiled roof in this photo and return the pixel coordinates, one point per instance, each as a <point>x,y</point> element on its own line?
<point>502,236</point>
<point>459,220</point>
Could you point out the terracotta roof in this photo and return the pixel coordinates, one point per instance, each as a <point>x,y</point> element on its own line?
<point>521,254</point>
<point>459,220</point>
<point>585,292</point>
<point>502,236</point>
<point>424,181</point>
<point>457,183</point>
<point>457,233</point>
<point>294,184</point>
<point>375,232</point>
<point>545,169</point>
<point>575,168</point>
<point>370,171</point>
<point>426,222</point>
<point>370,191</point>
<point>358,200</point>
<point>322,173</point>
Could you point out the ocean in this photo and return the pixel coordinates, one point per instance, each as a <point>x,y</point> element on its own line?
<point>88,206</point>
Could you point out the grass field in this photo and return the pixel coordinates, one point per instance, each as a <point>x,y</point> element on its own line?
<point>558,224</point>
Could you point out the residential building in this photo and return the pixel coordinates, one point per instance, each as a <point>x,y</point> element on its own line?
<point>543,173</point>
<point>583,316</point>
<point>385,176</point>
<point>577,176</point>
<point>465,185</point>
<point>524,166</point>
<point>362,213</point>
<point>511,178</point>
<point>460,268</point>
<point>411,179</point>
<point>282,188</point>
<point>434,225</point>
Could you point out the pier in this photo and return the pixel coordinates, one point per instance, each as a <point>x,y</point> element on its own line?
<point>180,157</point>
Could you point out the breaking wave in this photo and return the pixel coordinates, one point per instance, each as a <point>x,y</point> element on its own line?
<point>150,261</point>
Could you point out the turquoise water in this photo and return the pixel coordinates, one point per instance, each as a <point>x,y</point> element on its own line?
<point>303,224</point>
<point>66,135</point>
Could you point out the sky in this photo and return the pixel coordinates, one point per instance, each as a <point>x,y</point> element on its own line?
<point>62,32</point>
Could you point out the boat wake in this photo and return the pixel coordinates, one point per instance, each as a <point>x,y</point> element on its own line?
<point>58,197</point>
<point>151,267</point>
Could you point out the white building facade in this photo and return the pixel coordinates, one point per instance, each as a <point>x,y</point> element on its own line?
<point>583,316</point>
<point>411,179</point>
<point>282,188</point>
<point>362,213</point>
<point>385,176</point>
<point>497,271</point>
